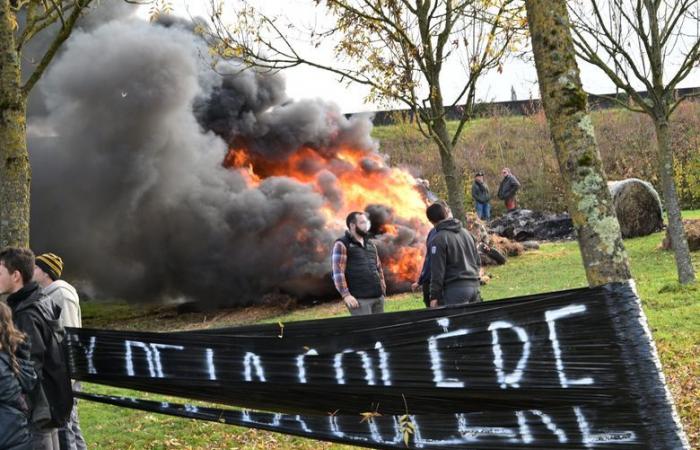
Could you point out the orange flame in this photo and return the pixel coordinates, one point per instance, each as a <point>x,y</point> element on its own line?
<point>362,178</point>
<point>238,159</point>
<point>406,263</point>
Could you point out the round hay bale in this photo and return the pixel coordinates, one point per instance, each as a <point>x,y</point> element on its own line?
<point>637,206</point>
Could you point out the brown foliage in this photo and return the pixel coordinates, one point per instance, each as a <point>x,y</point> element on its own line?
<point>626,140</point>
<point>692,232</point>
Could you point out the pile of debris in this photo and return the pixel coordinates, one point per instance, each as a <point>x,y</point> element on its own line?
<point>692,233</point>
<point>494,249</point>
<point>637,207</point>
<point>526,225</point>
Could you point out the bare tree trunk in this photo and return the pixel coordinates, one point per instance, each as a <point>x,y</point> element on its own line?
<point>565,104</point>
<point>452,174</point>
<point>679,242</point>
<point>14,159</point>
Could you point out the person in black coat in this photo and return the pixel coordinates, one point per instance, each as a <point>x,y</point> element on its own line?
<point>37,317</point>
<point>508,189</point>
<point>17,379</point>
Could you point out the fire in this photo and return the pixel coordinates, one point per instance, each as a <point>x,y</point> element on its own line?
<point>406,264</point>
<point>361,178</point>
<point>238,158</point>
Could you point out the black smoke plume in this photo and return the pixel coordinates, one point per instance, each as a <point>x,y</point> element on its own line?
<point>128,182</point>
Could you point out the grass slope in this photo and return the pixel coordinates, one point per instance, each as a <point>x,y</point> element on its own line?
<point>673,312</point>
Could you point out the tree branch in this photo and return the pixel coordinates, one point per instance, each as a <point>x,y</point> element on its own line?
<point>59,39</point>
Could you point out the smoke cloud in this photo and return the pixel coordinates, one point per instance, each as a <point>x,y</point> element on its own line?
<point>129,186</point>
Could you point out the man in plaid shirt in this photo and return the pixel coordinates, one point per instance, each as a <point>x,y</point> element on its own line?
<point>357,271</point>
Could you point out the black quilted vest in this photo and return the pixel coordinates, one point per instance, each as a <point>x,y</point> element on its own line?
<point>361,271</point>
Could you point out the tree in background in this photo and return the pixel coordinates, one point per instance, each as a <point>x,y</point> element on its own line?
<point>398,48</point>
<point>20,22</point>
<point>565,104</point>
<point>633,43</point>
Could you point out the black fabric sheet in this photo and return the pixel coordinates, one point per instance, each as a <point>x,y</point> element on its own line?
<point>572,369</point>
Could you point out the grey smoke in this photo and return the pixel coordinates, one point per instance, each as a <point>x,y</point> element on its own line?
<point>98,13</point>
<point>129,187</point>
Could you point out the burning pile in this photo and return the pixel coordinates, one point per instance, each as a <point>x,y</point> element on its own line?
<point>158,177</point>
<point>351,179</point>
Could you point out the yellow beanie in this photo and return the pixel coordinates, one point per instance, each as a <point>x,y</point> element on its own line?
<point>50,263</point>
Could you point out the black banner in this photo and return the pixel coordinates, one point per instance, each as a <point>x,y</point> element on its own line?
<point>573,369</point>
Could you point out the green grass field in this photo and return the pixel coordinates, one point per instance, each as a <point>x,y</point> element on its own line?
<point>673,312</point>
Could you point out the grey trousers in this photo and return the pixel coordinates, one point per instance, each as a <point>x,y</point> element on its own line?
<point>368,306</point>
<point>45,439</point>
<point>70,437</point>
<point>460,292</point>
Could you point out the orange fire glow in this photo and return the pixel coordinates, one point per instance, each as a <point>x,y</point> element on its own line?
<point>406,263</point>
<point>362,178</point>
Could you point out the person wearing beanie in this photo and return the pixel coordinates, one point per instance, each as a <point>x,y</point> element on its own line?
<point>481,196</point>
<point>48,268</point>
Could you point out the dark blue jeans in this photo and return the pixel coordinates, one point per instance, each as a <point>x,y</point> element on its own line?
<point>483,210</point>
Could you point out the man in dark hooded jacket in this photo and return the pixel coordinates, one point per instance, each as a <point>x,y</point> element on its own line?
<point>36,316</point>
<point>454,260</point>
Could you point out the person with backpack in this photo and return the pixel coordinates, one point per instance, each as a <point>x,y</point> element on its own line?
<point>17,379</point>
<point>37,317</point>
<point>47,273</point>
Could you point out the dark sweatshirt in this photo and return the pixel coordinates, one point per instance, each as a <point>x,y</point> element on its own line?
<point>29,305</point>
<point>453,257</point>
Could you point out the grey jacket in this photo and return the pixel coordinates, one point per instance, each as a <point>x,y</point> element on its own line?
<point>64,295</point>
<point>453,257</point>
<point>509,186</point>
<point>480,192</point>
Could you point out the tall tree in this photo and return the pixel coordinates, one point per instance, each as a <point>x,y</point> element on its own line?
<point>15,172</point>
<point>635,43</point>
<point>399,49</point>
<point>21,21</point>
<point>565,103</point>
